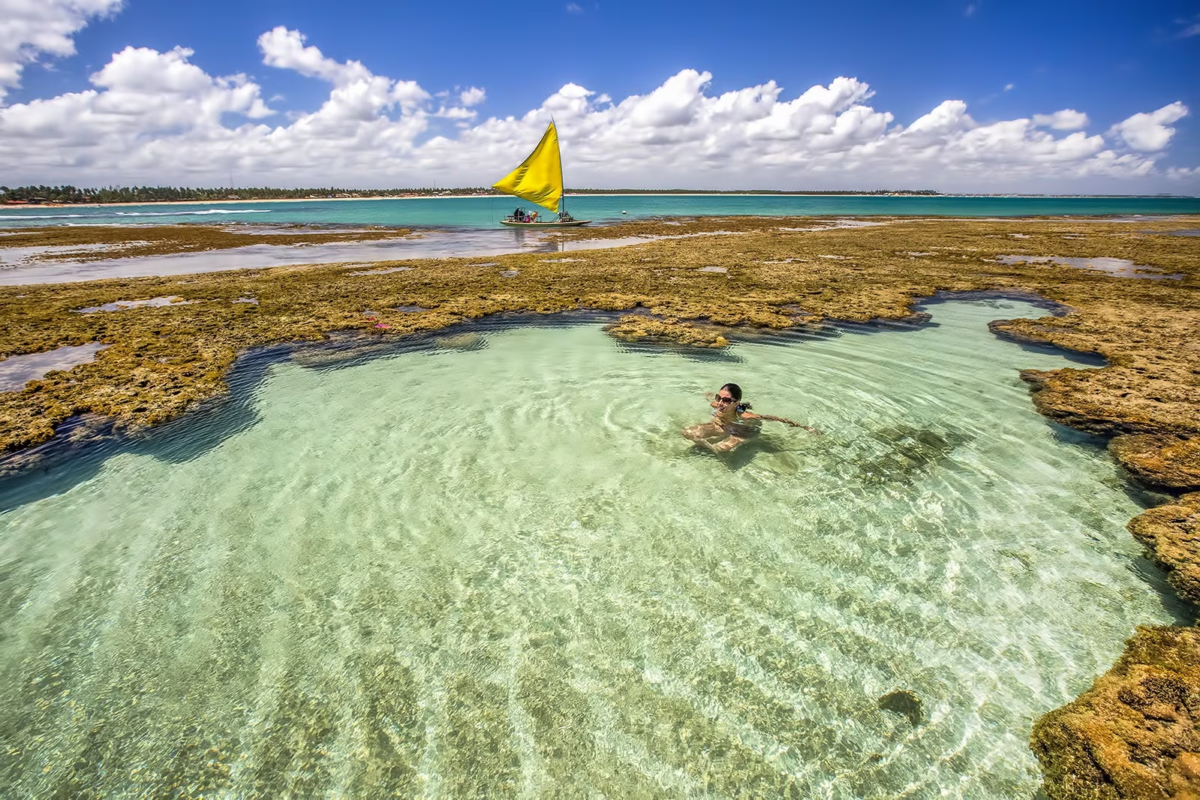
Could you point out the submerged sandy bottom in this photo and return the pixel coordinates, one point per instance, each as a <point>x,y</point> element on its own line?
<point>494,568</point>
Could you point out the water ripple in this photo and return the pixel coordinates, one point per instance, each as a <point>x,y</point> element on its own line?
<point>496,569</point>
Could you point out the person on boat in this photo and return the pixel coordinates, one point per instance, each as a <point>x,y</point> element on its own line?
<point>732,422</point>
<point>533,216</point>
<point>519,214</point>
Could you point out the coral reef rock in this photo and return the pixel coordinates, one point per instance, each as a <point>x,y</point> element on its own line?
<point>1134,733</point>
<point>1160,462</point>
<point>633,327</point>
<point>1171,534</point>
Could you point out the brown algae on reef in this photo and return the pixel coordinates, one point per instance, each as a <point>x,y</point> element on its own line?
<point>385,271</point>
<point>1134,734</point>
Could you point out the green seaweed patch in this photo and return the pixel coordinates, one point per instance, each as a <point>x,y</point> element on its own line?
<point>911,451</point>
<point>905,703</point>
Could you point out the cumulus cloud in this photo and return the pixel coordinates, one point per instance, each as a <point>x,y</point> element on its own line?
<point>157,117</point>
<point>472,97</point>
<point>285,49</point>
<point>1066,120</point>
<point>455,113</point>
<point>357,94</point>
<point>31,28</point>
<point>141,92</point>
<point>1150,132</point>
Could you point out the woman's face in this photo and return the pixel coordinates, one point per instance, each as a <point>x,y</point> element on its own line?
<point>725,400</point>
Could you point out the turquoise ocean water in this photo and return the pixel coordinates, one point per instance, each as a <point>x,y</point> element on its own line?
<point>485,212</point>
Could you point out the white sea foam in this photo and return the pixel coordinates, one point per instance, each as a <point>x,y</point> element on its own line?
<point>4,216</point>
<point>206,212</point>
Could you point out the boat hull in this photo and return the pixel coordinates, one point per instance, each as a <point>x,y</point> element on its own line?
<point>572,224</point>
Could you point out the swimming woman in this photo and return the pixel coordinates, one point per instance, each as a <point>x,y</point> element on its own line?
<point>732,422</point>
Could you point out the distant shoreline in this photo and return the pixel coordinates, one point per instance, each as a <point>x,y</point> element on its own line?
<point>441,197</point>
<point>237,201</point>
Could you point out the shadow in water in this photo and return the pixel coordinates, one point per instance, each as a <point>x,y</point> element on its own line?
<point>744,454</point>
<point>198,432</point>
<point>703,355</point>
<point>83,444</point>
<point>76,454</point>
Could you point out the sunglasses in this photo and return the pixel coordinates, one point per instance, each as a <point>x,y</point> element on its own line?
<point>721,399</point>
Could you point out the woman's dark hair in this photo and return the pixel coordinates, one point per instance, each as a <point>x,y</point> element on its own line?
<point>736,391</point>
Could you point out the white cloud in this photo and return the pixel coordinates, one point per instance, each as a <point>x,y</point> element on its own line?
<point>1150,132</point>
<point>573,8</point>
<point>155,117</point>
<point>358,94</point>
<point>455,113</point>
<point>285,49</point>
<point>142,94</point>
<point>1008,87</point>
<point>30,28</point>
<point>472,97</point>
<point>1066,120</point>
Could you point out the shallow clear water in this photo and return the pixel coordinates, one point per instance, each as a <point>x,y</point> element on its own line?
<point>490,566</point>
<point>17,269</point>
<point>1120,267</point>
<point>16,371</point>
<point>486,212</point>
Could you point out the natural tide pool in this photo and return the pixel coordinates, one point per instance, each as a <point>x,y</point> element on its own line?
<point>489,565</point>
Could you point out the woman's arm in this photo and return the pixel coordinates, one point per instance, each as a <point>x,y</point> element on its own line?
<point>784,420</point>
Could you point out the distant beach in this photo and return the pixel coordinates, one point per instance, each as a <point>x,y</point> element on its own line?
<point>485,211</point>
<point>235,201</point>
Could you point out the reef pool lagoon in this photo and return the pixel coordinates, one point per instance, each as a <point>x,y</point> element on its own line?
<point>485,563</point>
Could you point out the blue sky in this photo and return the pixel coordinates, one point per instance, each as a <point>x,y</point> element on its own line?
<point>1005,61</point>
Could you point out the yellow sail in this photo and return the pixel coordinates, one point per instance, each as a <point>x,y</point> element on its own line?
<point>539,178</point>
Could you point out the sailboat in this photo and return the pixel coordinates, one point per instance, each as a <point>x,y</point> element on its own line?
<point>539,180</point>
